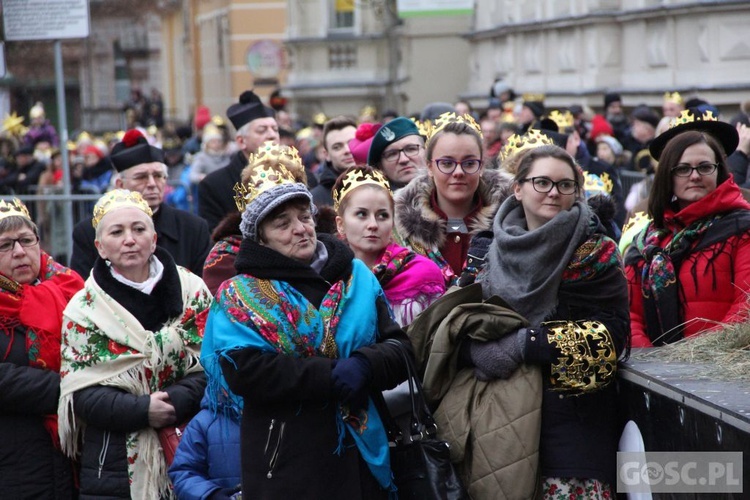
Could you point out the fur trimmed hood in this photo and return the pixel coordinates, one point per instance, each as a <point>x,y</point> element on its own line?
<point>417,224</point>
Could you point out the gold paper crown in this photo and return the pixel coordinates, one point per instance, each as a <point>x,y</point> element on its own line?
<point>13,207</point>
<point>595,184</point>
<point>532,139</point>
<point>263,176</point>
<point>687,116</point>
<point>119,198</point>
<point>674,97</point>
<point>450,117</point>
<point>368,111</point>
<point>563,119</point>
<point>356,178</point>
<point>425,127</point>
<point>533,97</point>
<point>218,121</point>
<point>320,119</point>
<point>13,124</point>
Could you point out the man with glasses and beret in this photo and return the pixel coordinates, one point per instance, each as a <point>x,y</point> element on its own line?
<point>140,167</point>
<point>255,124</point>
<point>398,151</point>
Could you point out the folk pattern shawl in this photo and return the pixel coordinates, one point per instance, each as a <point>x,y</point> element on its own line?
<point>411,282</point>
<point>103,344</point>
<point>272,316</point>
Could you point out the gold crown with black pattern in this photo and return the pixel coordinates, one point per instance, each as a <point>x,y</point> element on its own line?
<point>449,117</point>
<point>119,198</point>
<point>674,97</point>
<point>355,178</point>
<point>530,140</point>
<point>264,177</point>
<point>15,207</point>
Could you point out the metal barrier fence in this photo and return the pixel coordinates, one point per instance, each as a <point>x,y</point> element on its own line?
<point>47,209</point>
<point>629,178</point>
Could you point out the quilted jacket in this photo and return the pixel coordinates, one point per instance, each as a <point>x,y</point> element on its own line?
<point>493,427</point>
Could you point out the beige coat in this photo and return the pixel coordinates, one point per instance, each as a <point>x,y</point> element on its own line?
<point>492,427</point>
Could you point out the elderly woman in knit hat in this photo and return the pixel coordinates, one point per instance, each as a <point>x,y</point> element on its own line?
<point>130,355</point>
<point>297,338</point>
<point>34,290</point>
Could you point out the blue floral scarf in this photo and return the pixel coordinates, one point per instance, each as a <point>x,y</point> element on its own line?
<point>272,316</point>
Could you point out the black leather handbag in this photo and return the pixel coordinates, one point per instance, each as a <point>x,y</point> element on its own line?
<point>420,462</point>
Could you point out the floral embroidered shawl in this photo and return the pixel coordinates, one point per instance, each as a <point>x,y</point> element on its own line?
<point>103,344</point>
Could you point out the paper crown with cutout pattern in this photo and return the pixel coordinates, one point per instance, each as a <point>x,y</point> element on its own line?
<point>116,199</point>
<point>269,185</point>
<point>449,118</point>
<point>356,177</point>
<point>517,143</point>
<point>693,119</point>
<point>14,207</point>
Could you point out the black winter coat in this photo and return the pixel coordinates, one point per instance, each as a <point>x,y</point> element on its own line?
<point>182,234</point>
<point>289,431</point>
<point>30,465</point>
<point>111,413</point>
<point>216,191</point>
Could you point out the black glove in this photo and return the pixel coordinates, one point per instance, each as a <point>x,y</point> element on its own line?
<point>498,359</point>
<point>351,380</point>
<point>475,258</point>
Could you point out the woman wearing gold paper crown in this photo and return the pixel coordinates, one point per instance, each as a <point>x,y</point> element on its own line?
<point>130,355</point>
<point>551,262</point>
<point>439,211</point>
<point>297,338</point>
<point>34,290</point>
<point>364,207</point>
<point>689,269</point>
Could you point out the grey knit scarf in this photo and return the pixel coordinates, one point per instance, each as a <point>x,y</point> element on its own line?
<point>525,267</point>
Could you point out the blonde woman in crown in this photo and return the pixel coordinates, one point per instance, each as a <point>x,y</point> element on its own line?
<point>439,212</point>
<point>364,219</point>
<point>34,290</point>
<point>130,355</point>
<point>296,340</point>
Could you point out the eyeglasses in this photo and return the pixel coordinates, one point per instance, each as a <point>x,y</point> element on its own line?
<point>410,151</point>
<point>682,170</point>
<point>6,245</point>
<point>448,165</point>
<point>545,185</point>
<point>142,177</point>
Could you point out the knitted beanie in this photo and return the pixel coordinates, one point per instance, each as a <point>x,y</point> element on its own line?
<point>613,143</point>
<point>267,201</point>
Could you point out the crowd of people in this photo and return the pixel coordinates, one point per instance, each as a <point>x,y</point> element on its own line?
<point>259,290</point>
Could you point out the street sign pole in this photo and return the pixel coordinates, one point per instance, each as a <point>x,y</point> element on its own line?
<point>63,126</point>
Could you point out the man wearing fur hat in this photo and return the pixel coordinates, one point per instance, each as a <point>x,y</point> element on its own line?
<point>255,124</point>
<point>398,150</point>
<point>140,167</point>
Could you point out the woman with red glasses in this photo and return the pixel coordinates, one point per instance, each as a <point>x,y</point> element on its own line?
<point>689,269</point>
<point>439,211</point>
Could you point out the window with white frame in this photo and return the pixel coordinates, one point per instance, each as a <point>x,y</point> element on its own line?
<point>342,15</point>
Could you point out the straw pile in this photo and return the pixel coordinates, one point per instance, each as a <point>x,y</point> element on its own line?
<point>722,354</point>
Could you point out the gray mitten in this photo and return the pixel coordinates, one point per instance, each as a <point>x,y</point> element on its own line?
<point>498,359</point>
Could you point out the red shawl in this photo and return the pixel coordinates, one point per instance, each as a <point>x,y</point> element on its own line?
<point>39,308</point>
